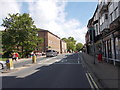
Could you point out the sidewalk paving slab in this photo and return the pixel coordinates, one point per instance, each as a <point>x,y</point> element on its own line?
<point>107,74</point>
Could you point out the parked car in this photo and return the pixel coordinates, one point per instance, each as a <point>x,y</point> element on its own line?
<point>51,53</point>
<point>2,64</point>
<point>43,53</point>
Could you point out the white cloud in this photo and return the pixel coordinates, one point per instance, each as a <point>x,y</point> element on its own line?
<point>6,7</point>
<point>51,15</point>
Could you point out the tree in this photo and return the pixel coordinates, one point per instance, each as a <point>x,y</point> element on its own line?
<point>20,34</point>
<point>79,46</point>
<point>70,43</point>
<point>71,46</point>
<point>71,39</point>
<point>65,39</point>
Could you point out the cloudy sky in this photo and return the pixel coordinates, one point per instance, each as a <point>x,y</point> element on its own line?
<point>62,17</point>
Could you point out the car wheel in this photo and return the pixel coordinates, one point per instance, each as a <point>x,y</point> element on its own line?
<point>1,66</point>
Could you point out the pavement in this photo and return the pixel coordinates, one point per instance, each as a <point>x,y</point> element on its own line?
<point>105,74</point>
<point>26,59</point>
<point>23,61</point>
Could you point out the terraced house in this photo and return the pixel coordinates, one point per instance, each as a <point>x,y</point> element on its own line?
<point>106,24</point>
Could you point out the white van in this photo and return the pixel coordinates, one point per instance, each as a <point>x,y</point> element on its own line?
<point>51,53</point>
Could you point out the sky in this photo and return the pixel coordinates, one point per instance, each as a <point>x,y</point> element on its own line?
<point>64,18</point>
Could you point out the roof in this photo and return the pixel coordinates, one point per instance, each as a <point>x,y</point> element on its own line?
<point>90,22</point>
<point>42,30</point>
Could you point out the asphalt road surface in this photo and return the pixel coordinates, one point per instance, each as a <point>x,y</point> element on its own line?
<point>63,71</point>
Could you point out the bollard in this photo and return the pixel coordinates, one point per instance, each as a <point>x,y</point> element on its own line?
<point>33,59</point>
<point>9,64</point>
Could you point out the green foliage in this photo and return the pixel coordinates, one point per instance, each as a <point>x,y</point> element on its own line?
<point>70,43</point>
<point>71,46</point>
<point>79,46</point>
<point>20,34</point>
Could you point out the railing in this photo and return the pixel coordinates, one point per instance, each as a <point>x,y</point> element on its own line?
<point>111,59</point>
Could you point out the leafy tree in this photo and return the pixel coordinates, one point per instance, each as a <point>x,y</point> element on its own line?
<point>20,34</point>
<point>71,46</point>
<point>70,43</point>
<point>65,39</point>
<point>79,46</point>
<point>71,39</point>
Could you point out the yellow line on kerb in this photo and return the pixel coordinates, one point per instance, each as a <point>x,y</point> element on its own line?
<point>89,81</point>
<point>93,81</point>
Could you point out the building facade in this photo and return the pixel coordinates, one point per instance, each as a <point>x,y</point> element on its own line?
<point>51,42</point>
<point>114,33</point>
<point>87,45</point>
<point>106,23</point>
<point>63,47</point>
<point>88,37</point>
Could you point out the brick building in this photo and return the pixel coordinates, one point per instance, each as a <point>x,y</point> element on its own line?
<point>51,41</point>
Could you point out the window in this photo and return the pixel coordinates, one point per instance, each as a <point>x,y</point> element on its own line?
<point>111,8</point>
<point>111,17</point>
<point>96,29</point>
<point>100,21</point>
<point>106,16</point>
<point>116,13</point>
<point>103,19</point>
<point>115,4</point>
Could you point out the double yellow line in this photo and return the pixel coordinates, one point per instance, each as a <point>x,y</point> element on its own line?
<point>91,81</point>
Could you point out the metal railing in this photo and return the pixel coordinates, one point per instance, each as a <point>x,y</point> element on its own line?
<point>111,59</point>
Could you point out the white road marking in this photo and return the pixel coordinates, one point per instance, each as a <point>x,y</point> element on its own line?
<point>58,60</point>
<point>78,62</point>
<point>27,74</point>
<point>78,59</point>
<point>67,63</point>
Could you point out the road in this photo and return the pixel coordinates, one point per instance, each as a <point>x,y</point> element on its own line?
<point>63,71</point>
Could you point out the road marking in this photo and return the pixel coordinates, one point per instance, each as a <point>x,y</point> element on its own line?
<point>89,81</point>
<point>62,61</point>
<point>78,62</point>
<point>58,60</point>
<point>93,80</point>
<point>27,74</point>
<point>67,63</point>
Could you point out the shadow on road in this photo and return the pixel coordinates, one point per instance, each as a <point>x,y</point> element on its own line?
<point>52,76</point>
